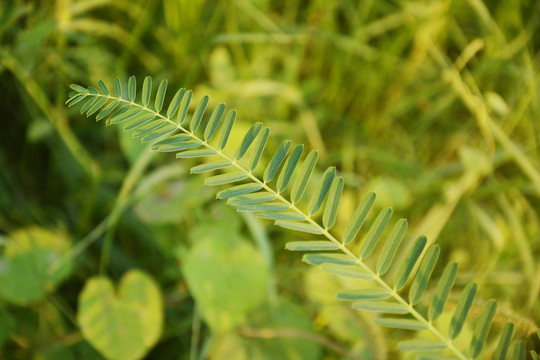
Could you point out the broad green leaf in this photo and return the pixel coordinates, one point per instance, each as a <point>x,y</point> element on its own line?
<point>107,110</point>
<point>226,129</point>
<point>179,145</point>
<point>300,184</point>
<point>364,294</point>
<point>520,352</point>
<point>140,121</point>
<point>225,178</point>
<point>175,103</point>
<point>460,314</point>
<point>238,190</point>
<point>259,197</point>
<point>123,324</point>
<point>97,105</point>
<point>390,247</point>
<point>504,342</point>
<point>322,190</point>
<point>181,117</point>
<point>446,282</point>
<point>146,91</point>
<point>288,168</point>
<point>160,95</point>
<point>214,165</point>
<point>381,306</point>
<point>264,207</point>
<point>213,123</point>
<point>196,153</point>
<point>103,88</point>
<point>282,215</point>
<point>332,204</point>
<point>124,116</point>
<point>420,282</point>
<point>300,226</point>
<point>117,87</point>
<point>375,233</point>
<point>132,88</point>
<point>328,258</point>
<point>248,139</point>
<point>79,89</point>
<point>422,345</point>
<point>165,129</point>
<point>409,262</point>
<point>349,271</point>
<point>258,150</point>
<point>482,328</point>
<point>315,245</point>
<point>360,214</point>
<point>275,162</point>
<point>400,323</point>
<point>198,114</point>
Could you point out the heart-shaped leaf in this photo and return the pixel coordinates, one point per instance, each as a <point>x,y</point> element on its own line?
<point>125,325</point>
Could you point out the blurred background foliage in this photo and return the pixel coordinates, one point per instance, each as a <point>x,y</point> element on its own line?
<point>434,105</point>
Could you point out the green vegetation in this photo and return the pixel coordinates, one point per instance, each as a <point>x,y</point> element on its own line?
<point>432,106</point>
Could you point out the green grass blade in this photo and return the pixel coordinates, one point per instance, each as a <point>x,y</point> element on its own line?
<point>482,328</point>
<point>97,105</point>
<point>382,307</point>
<point>348,271</point>
<point>196,153</point>
<point>328,258</point>
<point>322,190</point>
<point>226,129</point>
<point>288,169</point>
<point>107,110</point>
<point>409,262</point>
<point>251,198</point>
<point>374,233</point>
<point>332,204</point>
<point>160,95</point>
<point>299,226</point>
<point>103,88</point>
<point>259,148</point>
<point>175,103</point>
<point>275,162</point>
<point>117,87</point>
<point>248,139</point>
<point>198,114</point>
<point>225,178</point>
<point>214,165</point>
<point>364,294</point>
<point>282,215</point>
<point>315,245</point>
<point>264,207</point>
<point>238,190</point>
<point>360,214</point>
<point>399,323</point>
<point>462,309</point>
<point>182,117</point>
<point>132,88</point>
<point>390,247</point>
<point>519,352</point>
<point>213,123</point>
<point>302,180</point>
<point>504,342</point>
<point>422,345</point>
<point>446,282</point>
<point>420,282</point>
<point>146,91</point>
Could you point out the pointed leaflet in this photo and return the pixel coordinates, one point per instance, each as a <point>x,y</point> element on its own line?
<point>97,105</point>
<point>103,88</point>
<point>400,323</point>
<point>276,161</point>
<point>147,129</point>
<point>281,215</point>
<point>196,153</point>
<point>146,91</point>
<point>299,226</point>
<point>364,294</point>
<point>172,140</point>
<point>328,258</point>
<point>251,198</point>
<point>181,118</point>
<point>225,178</point>
<point>198,114</point>
<point>91,101</point>
<point>381,306</point>
<point>75,100</point>
<point>219,164</point>
<point>132,88</point>
<point>226,129</point>
<point>420,282</point>
<point>390,246</point>
<point>374,233</point>
<point>504,342</point>
<point>302,179</point>
<point>263,207</point>
<point>408,263</point>
<point>482,328</point>
<point>238,190</point>
<point>462,309</point>
<point>107,110</point>
<point>421,345</point>
<point>117,87</point>
<point>179,145</point>
<point>288,168</point>
<point>358,218</point>
<point>163,130</point>
<point>349,271</point>
<point>124,116</point>
<point>446,282</point>
<point>160,95</point>
<point>315,245</point>
<point>248,139</point>
<point>323,188</point>
<point>213,122</point>
<point>332,204</point>
<point>175,103</point>
<point>258,149</point>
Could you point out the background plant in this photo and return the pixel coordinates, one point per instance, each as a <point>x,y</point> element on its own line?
<point>434,106</point>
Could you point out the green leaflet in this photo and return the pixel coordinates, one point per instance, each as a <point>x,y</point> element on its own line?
<point>328,258</point>
<point>504,342</point>
<point>181,118</point>
<point>196,153</point>
<point>103,88</point>
<point>90,101</point>
<point>179,145</point>
<point>214,165</point>
<point>275,162</point>
<point>171,140</point>
<point>482,328</point>
<point>288,168</point>
<point>400,323</point>
<point>175,103</point>
<point>140,121</point>
<point>238,190</point>
<point>364,294</point>
<point>124,116</point>
<point>96,106</point>
<point>349,271</point>
<point>213,123</point>
<point>146,91</point>
<point>332,204</point>
<point>390,247</point>
<point>117,87</point>
<point>420,282</point>
<point>300,226</point>
<point>282,215</point>
<point>322,190</point>
<point>262,139</point>
<point>408,263</point>
<point>446,282</point>
<point>160,95</point>
<point>421,345</point>
<point>225,178</point>
<point>248,139</point>
<point>148,128</point>
<point>299,186</point>
<point>79,89</point>
<point>315,245</point>
<point>132,88</point>
<point>358,218</point>
<point>164,129</point>
<point>251,198</point>
<point>382,307</point>
<point>198,114</point>
<point>264,207</point>
<point>462,309</point>
<point>75,100</point>
<point>226,130</point>
<point>107,110</point>
<point>374,233</point>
